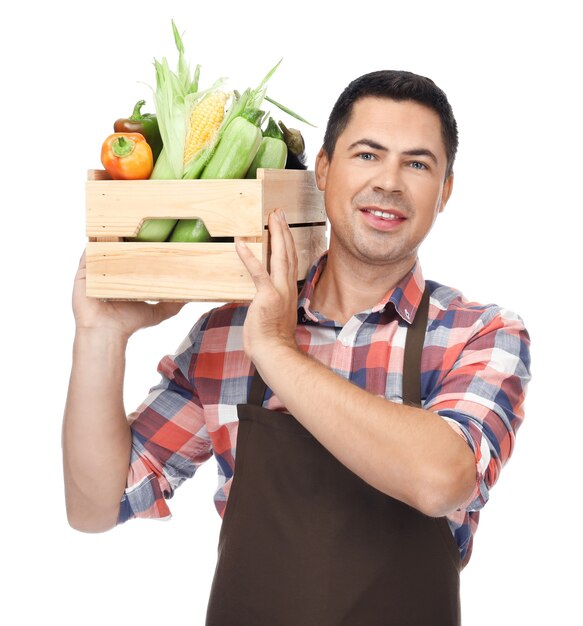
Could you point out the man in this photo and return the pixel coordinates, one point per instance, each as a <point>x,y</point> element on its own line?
<point>357,428</point>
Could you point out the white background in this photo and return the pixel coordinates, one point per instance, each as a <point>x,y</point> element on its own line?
<point>509,235</point>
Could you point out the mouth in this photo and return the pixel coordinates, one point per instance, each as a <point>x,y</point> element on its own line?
<point>382,219</point>
<point>384,214</point>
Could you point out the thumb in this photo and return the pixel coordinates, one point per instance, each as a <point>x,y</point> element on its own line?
<point>163,310</point>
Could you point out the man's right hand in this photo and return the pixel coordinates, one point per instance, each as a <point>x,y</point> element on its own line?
<point>125,317</point>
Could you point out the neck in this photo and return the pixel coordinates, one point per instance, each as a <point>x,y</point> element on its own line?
<point>347,287</point>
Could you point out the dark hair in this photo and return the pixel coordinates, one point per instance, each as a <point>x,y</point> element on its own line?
<point>395,85</point>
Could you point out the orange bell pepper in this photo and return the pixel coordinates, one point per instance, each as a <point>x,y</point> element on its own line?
<point>127,156</point>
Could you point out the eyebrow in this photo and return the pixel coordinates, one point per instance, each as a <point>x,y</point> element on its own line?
<point>367,142</point>
<point>371,143</point>
<point>421,152</point>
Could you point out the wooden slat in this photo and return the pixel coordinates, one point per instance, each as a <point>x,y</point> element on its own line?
<point>227,207</point>
<point>295,192</point>
<point>162,271</point>
<point>310,243</point>
<point>184,271</point>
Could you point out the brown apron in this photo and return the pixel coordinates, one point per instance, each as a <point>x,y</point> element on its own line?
<point>306,542</point>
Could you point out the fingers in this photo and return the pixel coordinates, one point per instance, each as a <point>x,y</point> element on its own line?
<point>291,252</point>
<point>283,259</point>
<point>255,268</point>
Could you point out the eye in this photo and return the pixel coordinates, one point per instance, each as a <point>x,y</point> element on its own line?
<point>366,156</point>
<point>418,165</point>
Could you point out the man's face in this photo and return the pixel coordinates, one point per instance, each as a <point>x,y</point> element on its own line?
<point>384,185</point>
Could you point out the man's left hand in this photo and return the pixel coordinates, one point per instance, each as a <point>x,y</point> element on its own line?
<point>272,316</point>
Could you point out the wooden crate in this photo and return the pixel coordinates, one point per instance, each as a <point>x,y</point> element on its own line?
<point>118,269</point>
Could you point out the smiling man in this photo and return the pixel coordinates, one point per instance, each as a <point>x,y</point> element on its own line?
<point>358,427</point>
<point>385,181</point>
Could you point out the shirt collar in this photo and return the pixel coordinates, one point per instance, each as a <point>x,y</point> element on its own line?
<point>312,277</point>
<point>405,296</point>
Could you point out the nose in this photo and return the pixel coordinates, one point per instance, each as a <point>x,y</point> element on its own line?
<point>387,177</point>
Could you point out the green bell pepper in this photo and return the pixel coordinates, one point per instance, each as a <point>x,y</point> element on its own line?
<point>144,123</point>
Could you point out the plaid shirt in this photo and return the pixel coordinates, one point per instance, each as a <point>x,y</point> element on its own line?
<point>475,368</point>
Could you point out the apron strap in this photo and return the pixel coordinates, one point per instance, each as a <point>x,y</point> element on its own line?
<point>258,387</point>
<point>411,363</point>
<point>413,351</point>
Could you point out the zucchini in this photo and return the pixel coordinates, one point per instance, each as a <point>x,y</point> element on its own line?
<point>272,152</point>
<point>155,230</point>
<point>190,231</point>
<point>236,148</point>
<point>158,230</point>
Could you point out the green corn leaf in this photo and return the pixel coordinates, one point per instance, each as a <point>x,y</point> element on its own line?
<point>289,112</point>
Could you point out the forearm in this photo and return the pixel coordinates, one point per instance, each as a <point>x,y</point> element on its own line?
<point>96,434</point>
<point>408,453</point>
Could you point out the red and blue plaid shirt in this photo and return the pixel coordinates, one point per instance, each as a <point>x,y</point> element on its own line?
<point>474,371</point>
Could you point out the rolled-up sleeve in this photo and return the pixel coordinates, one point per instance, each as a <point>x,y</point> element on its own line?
<point>481,393</point>
<point>169,437</point>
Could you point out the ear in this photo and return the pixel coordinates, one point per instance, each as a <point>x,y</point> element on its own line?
<point>322,164</point>
<point>446,193</point>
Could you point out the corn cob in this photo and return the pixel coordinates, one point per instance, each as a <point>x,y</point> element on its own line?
<point>205,120</point>
<point>272,151</point>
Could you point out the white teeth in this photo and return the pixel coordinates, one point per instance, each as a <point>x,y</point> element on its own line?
<point>384,214</point>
